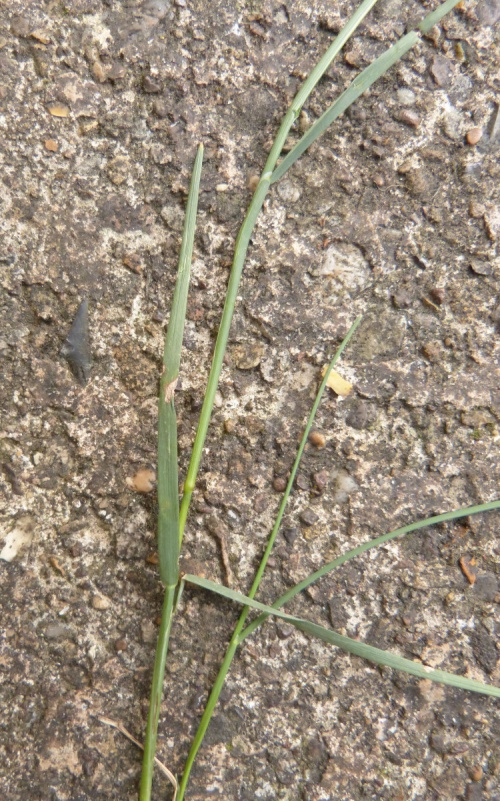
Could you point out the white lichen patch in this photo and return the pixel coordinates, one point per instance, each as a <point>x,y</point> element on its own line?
<point>17,538</point>
<point>347,269</point>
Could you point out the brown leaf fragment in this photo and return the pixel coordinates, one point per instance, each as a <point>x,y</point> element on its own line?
<point>56,565</point>
<point>143,481</point>
<point>467,568</point>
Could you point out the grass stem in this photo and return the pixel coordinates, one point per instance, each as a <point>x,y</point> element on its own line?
<point>156,695</point>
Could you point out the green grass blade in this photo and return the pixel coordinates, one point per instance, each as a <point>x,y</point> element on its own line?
<point>236,637</point>
<point>340,560</point>
<point>168,478</point>
<point>298,458</point>
<point>241,248</point>
<point>360,84</point>
<point>351,646</point>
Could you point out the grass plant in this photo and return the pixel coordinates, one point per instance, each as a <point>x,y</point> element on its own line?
<point>172,516</point>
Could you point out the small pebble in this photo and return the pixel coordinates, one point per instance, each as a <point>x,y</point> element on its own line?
<point>308,517</point>
<point>317,439</point>
<point>150,86</point>
<point>284,630</point>
<point>406,97</point>
<point>143,481</point>
<point>437,295</point>
<point>289,192</point>
<point>100,602</point>
<point>320,480</point>
<point>160,108</point>
<point>279,484</point>
<point>52,145</point>
<point>98,72</point>
<point>480,267</point>
<point>476,209</point>
<point>410,118</point>
<point>291,534</point>
<point>133,262</point>
<point>476,773</point>
<point>474,135</point>
<point>302,481</point>
<point>441,70</point>
<point>431,351</point>
<point>116,72</point>
<point>41,36</point>
<point>120,645</point>
<point>229,426</point>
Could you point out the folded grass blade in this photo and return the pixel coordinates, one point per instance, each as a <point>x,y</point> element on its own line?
<point>168,478</point>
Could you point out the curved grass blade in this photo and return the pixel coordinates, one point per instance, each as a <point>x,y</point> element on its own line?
<point>355,647</point>
<point>365,546</point>
<point>241,247</point>
<point>168,479</point>
<point>360,84</point>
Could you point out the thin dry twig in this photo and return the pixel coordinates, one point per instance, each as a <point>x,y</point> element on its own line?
<point>119,726</point>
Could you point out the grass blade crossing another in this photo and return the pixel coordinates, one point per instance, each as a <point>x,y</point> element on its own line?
<point>236,637</point>
<point>365,546</point>
<point>355,647</point>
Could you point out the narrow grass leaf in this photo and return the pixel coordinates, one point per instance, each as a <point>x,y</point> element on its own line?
<point>360,84</point>
<point>298,458</point>
<point>365,546</point>
<point>347,644</point>
<point>168,478</point>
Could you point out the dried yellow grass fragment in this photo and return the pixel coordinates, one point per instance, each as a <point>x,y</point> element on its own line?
<point>339,385</point>
<point>58,109</point>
